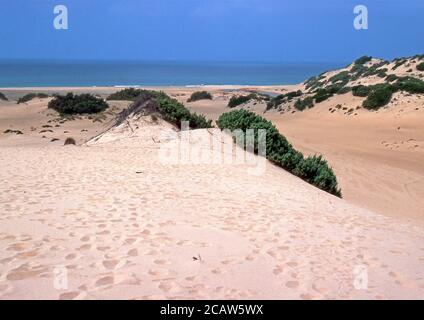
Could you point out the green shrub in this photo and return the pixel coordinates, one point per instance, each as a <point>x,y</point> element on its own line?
<point>175,112</point>
<point>344,90</point>
<point>129,94</point>
<point>200,95</point>
<point>239,100</point>
<point>342,77</point>
<point>420,66</point>
<point>362,60</point>
<point>283,98</point>
<point>77,104</point>
<point>30,96</point>
<point>322,95</point>
<point>379,96</point>
<point>361,91</point>
<point>409,84</point>
<point>314,170</point>
<point>301,105</point>
<point>3,97</point>
<point>391,77</point>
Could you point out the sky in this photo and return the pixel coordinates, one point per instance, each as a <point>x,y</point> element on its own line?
<point>211,30</point>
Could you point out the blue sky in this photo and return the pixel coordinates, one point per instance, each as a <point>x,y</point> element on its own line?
<point>211,30</point>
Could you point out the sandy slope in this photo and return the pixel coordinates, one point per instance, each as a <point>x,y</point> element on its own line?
<point>123,234</point>
<point>377,156</point>
<point>125,225</point>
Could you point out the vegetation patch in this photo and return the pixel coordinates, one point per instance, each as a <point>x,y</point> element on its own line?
<point>30,96</point>
<point>239,100</point>
<point>129,94</point>
<point>200,95</point>
<point>170,109</point>
<point>379,96</point>
<point>361,91</point>
<point>314,170</point>
<point>302,104</point>
<point>78,104</point>
<point>420,66</point>
<point>362,60</point>
<point>391,77</point>
<point>409,84</point>
<point>322,94</point>
<point>283,98</point>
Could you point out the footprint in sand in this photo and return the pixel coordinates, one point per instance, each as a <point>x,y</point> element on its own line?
<point>84,247</point>
<point>24,272</point>
<point>71,256</point>
<point>161,262</point>
<point>132,253</point>
<point>159,272</point>
<point>113,264</point>
<point>72,295</point>
<point>85,238</point>
<point>104,281</point>
<point>18,247</point>
<point>169,287</point>
<point>292,284</point>
<point>278,270</point>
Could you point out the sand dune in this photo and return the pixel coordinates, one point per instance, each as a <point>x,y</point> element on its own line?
<point>123,225</point>
<point>377,156</point>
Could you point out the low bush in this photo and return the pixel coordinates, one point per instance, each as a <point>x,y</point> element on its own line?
<point>322,94</point>
<point>361,91</point>
<point>362,60</point>
<point>379,96</point>
<point>314,170</point>
<point>301,105</point>
<point>175,112</point>
<point>239,100</point>
<point>391,77</point>
<point>77,104</point>
<point>170,109</point>
<point>409,84</point>
<point>200,95</point>
<point>129,94</point>
<point>30,96</point>
<point>3,97</point>
<point>283,98</point>
<point>343,78</point>
<point>344,90</point>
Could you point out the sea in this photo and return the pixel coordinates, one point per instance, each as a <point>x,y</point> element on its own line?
<point>47,73</point>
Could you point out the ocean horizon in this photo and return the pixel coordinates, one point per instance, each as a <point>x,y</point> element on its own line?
<point>63,73</point>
